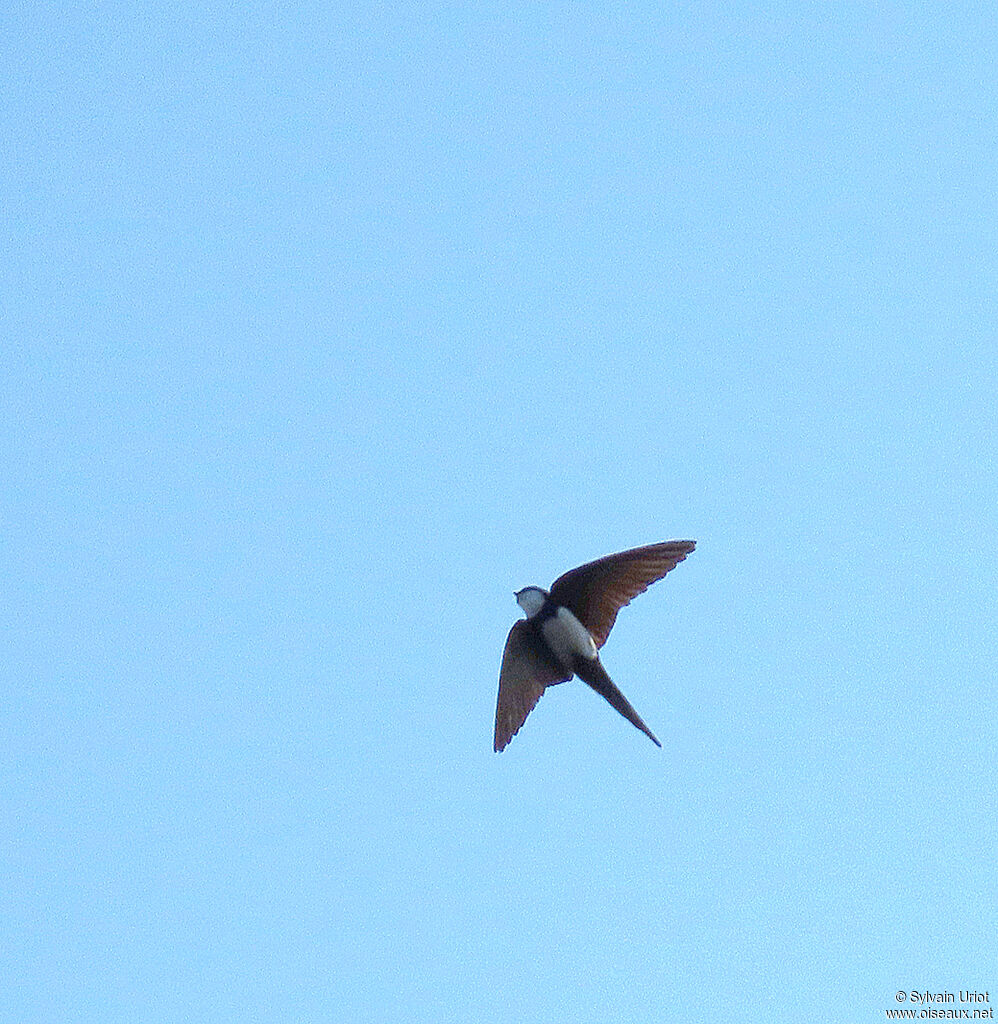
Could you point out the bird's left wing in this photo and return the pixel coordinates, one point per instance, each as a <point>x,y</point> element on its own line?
<point>524,674</point>
<point>596,591</point>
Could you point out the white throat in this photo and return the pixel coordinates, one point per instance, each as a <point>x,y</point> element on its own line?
<point>531,600</point>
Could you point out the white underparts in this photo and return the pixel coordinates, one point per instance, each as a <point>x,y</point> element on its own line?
<point>568,638</point>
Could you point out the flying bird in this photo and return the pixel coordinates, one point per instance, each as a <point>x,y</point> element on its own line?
<point>565,628</point>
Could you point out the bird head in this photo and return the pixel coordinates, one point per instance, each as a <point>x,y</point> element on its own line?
<point>531,600</point>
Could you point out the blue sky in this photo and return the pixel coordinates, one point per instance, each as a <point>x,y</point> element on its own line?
<point>326,328</point>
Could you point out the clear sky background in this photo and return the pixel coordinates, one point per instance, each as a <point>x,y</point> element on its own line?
<point>327,326</point>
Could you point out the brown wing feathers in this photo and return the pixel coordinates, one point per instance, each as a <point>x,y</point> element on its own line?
<point>596,591</point>
<point>525,673</point>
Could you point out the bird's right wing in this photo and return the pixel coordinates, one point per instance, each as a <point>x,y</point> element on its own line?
<point>525,673</point>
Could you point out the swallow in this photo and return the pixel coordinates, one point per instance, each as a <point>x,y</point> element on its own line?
<point>565,628</point>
